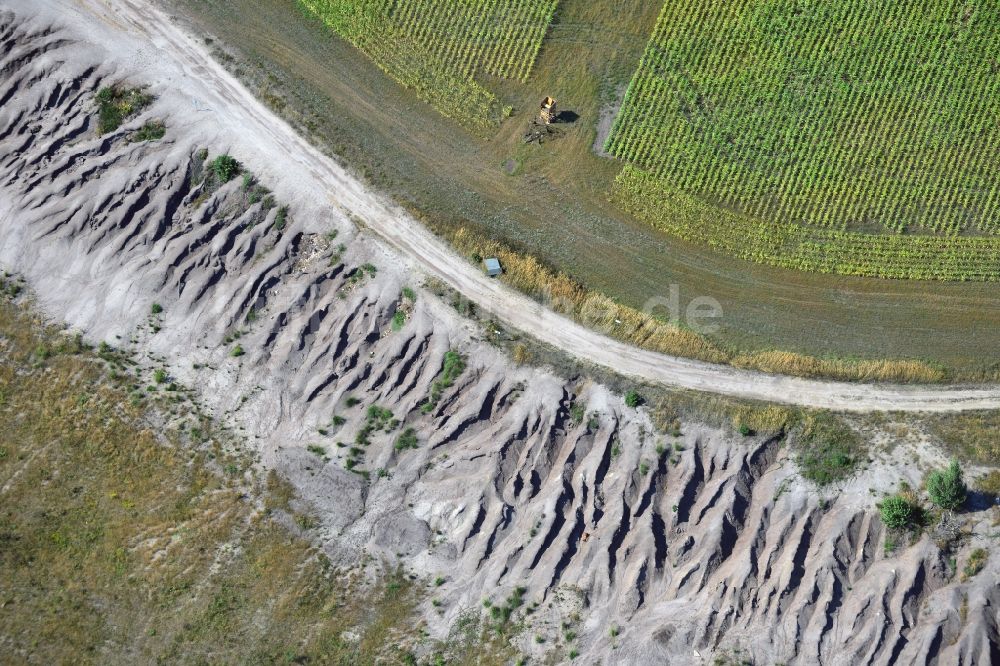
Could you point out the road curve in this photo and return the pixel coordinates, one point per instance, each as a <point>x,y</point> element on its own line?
<point>312,174</point>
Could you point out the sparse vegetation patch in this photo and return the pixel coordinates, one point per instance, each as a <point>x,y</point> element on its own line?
<point>453,366</point>
<point>118,103</point>
<point>154,130</point>
<point>828,449</point>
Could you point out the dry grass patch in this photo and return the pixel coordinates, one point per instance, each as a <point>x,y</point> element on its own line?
<point>971,436</point>
<point>128,535</point>
<point>789,363</point>
<point>565,295</point>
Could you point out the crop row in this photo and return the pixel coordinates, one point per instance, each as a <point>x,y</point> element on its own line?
<point>788,245</point>
<point>439,47</point>
<point>843,115</point>
<point>499,37</point>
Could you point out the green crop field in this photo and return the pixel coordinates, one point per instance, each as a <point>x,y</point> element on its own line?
<point>846,137</point>
<point>442,48</point>
<point>803,247</point>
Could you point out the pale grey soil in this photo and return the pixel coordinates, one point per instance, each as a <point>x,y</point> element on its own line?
<point>686,553</point>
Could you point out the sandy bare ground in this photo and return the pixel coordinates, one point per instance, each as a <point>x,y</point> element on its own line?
<point>298,165</point>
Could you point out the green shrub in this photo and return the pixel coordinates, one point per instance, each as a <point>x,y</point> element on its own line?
<point>947,487</point>
<point>407,440</point>
<point>160,375</point>
<point>156,308</point>
<point>408,294</point>
<point>633,399</point>
<point>398,320</point>
<point>225,168</point>
<point>379,417</point>
<point>237,351</point>
<point>281,218</point>
<point>897,512</point>
<point>453,366</point>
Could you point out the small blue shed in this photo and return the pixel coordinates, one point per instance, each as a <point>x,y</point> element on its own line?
<point>493,267</point>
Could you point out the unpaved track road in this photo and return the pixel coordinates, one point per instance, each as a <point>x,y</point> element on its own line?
<point>306,170</point>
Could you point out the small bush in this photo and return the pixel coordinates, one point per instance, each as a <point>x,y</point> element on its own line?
<point>947,487</point>
<point>160,375</point>
<point>897,512</point>
<point>633,399</point>
<point>398,320</point>
<point>156,308</point>
<point>237,351</point>
<point>453,366</point>
<point>281,218</point>
<point>379,417</point>
<point>407,440</point>
<point>409,295</point>
<point>316,449</point>
<point>225,168</point>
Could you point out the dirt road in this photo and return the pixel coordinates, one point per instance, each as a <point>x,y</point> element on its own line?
<point>168,56</point>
